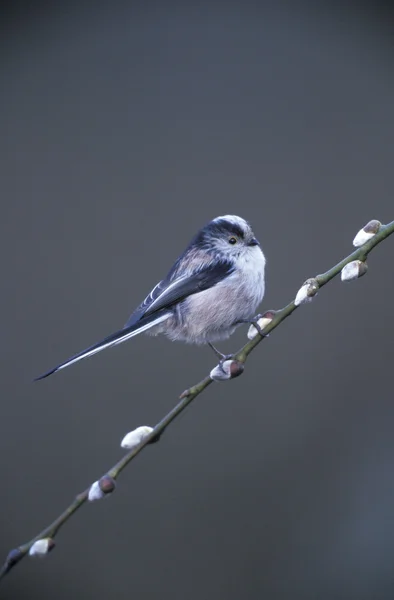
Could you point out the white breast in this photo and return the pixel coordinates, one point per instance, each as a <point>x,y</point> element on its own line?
<point>212,314</point>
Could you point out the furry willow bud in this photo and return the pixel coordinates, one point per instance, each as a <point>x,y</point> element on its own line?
<point>227,369</point>
<point>42,547</point>
<point>101,488</point>
<point>353,270</point>
<point>366,233</point>
<point>134,438</point>
<point>306,292</point>
<point>262,322</point>
<point>13,557</point>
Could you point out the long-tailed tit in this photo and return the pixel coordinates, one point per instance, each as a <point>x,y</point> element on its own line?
<point>215,285</point>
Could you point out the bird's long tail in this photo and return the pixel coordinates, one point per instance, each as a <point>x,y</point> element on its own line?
<point>115,338</point>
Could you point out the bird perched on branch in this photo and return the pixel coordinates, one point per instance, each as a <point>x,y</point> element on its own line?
<point>214,286</point>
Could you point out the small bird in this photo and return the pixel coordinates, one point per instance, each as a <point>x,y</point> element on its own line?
<point>214,286</point>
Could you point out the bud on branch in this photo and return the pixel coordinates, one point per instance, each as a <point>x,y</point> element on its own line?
<point>228,369</point>
<point>351,267</point>
<point>366,233</point>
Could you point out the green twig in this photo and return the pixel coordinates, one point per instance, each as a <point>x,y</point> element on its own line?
<point>189,395</point>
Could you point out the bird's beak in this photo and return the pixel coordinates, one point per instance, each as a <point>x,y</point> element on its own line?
<point>254,242</point>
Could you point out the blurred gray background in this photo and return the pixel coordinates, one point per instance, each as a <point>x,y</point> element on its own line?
<point>124,128</point>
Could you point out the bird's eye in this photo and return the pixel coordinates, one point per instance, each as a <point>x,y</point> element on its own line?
<point>232,240</point>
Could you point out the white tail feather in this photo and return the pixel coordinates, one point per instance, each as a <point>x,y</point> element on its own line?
<point>111,340</point>
<point>126,337</point>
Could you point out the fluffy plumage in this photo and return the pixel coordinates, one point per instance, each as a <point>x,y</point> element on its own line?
<point>217,283</point>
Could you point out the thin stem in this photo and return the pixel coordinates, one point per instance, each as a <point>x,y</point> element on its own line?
<point>188,396</point>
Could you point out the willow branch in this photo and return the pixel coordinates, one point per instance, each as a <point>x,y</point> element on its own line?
<point>187,397</point>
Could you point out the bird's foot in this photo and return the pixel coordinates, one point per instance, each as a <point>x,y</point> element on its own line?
<point>255,322</point>
<point>222,357</point>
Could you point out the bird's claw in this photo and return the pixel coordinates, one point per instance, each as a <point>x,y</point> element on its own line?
<point>222,357</point>
<point>255,323</point>
<point>225,357</point>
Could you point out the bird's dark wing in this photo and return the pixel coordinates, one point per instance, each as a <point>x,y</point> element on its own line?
<point>155,309</point>
<point>171,291</point>
<point>141,310</point>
